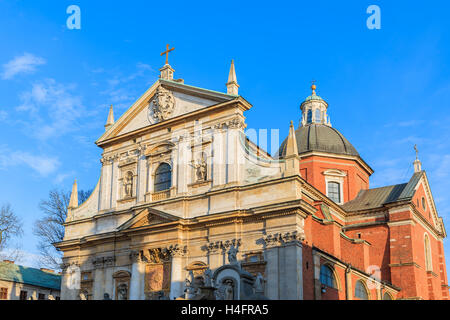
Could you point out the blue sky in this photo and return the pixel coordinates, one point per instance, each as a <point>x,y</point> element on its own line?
<point>388,89</point>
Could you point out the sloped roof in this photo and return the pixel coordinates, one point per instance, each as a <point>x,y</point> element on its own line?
<point>378,197</point>
<point>31,276</point>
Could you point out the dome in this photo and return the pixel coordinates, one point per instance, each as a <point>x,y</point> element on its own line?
<point>322,138</point>
<point>313,97</point>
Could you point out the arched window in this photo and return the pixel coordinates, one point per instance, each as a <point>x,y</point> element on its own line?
<point>318,117</point>
<point>424,204</point>
<point>163,177</point>
<point>428,264</point>
<point>334,191</point>
<point>387,296</point>
<point>309,116</point>
<point>327,277</point>
<point>361,291</point>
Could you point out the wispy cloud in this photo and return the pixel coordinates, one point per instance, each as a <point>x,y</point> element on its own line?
<point>52,108</point>
<point>3,115</point>
<point>42,164</point>
<point>25,63</point>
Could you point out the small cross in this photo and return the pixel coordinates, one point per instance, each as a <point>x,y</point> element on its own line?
<point>417,151</point>
<point>167,53</point>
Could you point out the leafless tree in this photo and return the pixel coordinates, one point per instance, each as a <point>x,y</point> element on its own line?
<point>49,229</point>
<point>10,225</point>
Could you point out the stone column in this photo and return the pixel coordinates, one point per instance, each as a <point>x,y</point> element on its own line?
<point>177,276</point>
<point>183,161</point>
<point>272,275</point>
<point>136,277</point>
<point>98,286</point>
<point>219,159</point>
<point>114,183</point>
<point>317,284</point>
<point>105,186</point>
<point>233,154</point>
<point>291,271</point>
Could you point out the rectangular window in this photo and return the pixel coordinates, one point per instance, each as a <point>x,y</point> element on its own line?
<point>334,191</point>
<point>3,293</point>
<point>41,296</point>
<point>23,295</point>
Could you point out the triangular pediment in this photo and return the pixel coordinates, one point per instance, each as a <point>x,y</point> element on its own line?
<point>148,217</point>
<point>163,101</point>
<point>430,205</point>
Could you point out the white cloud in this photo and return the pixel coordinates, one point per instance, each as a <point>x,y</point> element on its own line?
<point>25,63</point>
<point>43,165</point>
<point>52,108</point>
<point>62,176</point>
<point>3,115</point>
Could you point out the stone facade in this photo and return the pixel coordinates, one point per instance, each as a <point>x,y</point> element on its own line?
<point>180,185</point>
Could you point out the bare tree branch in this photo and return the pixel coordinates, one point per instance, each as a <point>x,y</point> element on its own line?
<point>10,225</point>
<point>49,229</point>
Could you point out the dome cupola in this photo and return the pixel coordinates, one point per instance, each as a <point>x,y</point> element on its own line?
<point>314,109</point>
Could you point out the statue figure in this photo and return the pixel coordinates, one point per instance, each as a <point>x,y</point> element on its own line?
<point>190,290</point>
<point>200,169</point>
<point>128,185</point>
<point>229,291</point>
<point>259,283</point>
<point>122,292</point>
<point>232,253</point>
<point>208,281</point>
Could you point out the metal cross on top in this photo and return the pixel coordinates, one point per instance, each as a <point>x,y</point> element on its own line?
<point>167,53</point>
<point>417,151</point>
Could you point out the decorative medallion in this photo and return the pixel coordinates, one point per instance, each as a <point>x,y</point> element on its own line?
<point>161,106</point>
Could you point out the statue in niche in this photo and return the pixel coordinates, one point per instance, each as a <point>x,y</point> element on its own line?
<point>229,290</point>
<point>259,283</point>
<point>128,185</point>
<point>232,254</point>
<point>200,169</point>
<point>122,292</point>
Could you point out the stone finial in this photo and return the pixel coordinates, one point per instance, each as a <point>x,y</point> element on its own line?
<point>417,163</point>
<point>110,120</point>
<point>73,203</point>
<point>232,85</point>
<point>291,144</point>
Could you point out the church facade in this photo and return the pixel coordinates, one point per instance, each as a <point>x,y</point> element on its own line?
<point>182,189</point>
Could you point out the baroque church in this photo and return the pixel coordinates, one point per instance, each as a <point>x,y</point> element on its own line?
<point>186,201</point>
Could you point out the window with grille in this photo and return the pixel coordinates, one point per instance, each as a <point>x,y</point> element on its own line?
<point>334,191</point>
<point>361,291</point>
<point>327,277</point>
<point>3,293</point>
<point>163,177</point>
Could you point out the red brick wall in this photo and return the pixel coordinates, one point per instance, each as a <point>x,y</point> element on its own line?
<point>357,178</point>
